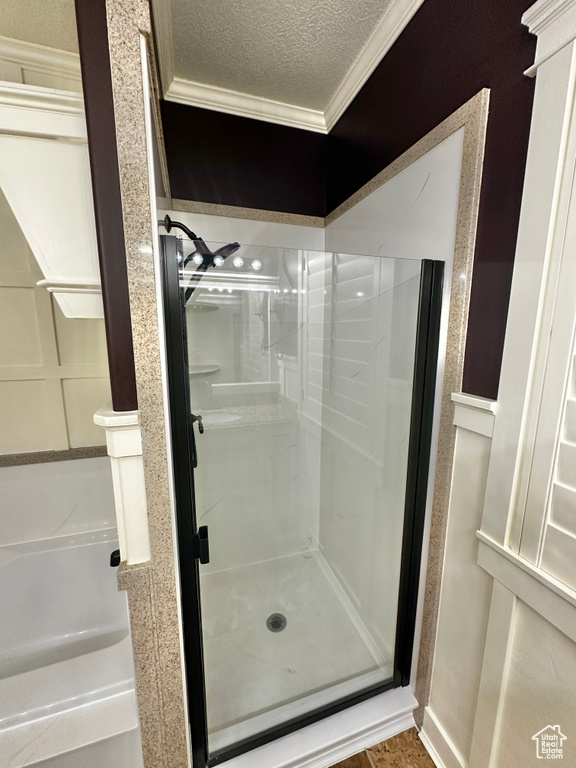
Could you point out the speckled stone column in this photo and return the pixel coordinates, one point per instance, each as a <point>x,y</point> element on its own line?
<point>152,588</point>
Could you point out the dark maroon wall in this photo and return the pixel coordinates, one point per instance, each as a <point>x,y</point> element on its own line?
<point>219,158</point>
<point>449,51</point>
<point>99,104</point>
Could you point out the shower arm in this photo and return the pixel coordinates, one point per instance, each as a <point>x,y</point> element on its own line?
<point>201,248</point>
<point>167,223</point>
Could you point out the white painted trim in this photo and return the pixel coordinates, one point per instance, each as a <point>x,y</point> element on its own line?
<point>549,152</point>
<point>47,112</point>
<point>243,104</point>
<point>542,592</point>
<point>544,13</point>
<point>439,744</point>
<point>38,98</point>
<point>50,61</point>
<point>554,21</point>
<point>232,102</point>
<point>387,31</point>
<point>40,58</point>
<point>67,286</point>
<point>493,677</point>
<point>435,757</point>
<point>474,401</point>
<point>124,445</point>
<point>337,737</point>
<point>474,413</point>
<point>107,418</point>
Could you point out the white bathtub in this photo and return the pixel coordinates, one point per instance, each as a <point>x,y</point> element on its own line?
<point>66,668</point>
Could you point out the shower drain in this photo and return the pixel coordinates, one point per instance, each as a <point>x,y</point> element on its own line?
<point>276,622</point>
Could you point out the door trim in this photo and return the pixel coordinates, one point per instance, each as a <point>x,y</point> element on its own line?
<point>186,526</point>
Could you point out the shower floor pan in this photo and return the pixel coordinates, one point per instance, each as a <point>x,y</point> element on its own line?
<point>257,679</point>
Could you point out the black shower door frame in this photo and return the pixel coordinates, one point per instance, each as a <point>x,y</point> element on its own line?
<point>182,437</point>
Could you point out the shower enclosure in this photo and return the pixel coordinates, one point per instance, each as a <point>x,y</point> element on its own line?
<point>301,395</point>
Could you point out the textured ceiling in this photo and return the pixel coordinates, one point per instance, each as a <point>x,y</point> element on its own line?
<point>45,22</point>
<point>293,51</point>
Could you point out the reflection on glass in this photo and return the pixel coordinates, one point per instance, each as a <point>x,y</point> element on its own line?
<point>301,365</point>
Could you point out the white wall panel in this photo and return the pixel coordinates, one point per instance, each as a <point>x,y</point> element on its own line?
<point>539,691</point>
<point>465,597</point>
<point>39,348</point>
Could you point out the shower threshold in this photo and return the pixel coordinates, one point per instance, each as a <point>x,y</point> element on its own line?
<point>257,679</point>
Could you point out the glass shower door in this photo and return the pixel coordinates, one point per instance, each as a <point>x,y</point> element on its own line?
<point>313,376</point>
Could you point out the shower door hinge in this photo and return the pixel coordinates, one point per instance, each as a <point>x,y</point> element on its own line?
<point>200,546</point>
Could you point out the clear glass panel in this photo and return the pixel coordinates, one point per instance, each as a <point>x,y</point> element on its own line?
<point>301,365</point>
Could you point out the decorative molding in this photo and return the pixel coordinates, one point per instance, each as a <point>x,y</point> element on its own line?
<point>57,63</point>
<point>546,226</point>
<point>243,104</point>
<point>543,593</point>
<point>40,58</point>
<point>39,98</point>
<point>474,413</point>
<point>554,22</point>
<point>474,401</point>
<point>68,286</point>
<point>219,99</point>
<point>387,31</point>
<point>44,112</point>
<point>544,13</point>
<point>124,443</point>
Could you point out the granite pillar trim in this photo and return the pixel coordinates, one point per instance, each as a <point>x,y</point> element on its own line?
<point>45,457</point>
<point>473,117</point>
<point>152,589</point>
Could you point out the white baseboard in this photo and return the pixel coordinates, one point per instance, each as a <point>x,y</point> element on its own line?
<point>337,737</point>
<point>438,743</point>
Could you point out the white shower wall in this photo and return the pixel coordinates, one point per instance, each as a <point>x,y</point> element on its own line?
<point>253,520</point>
<point>360,354</point>
<point>412,216</point>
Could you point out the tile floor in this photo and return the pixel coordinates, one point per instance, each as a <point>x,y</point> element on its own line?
<point>402,751</point>
<point>256,678</point>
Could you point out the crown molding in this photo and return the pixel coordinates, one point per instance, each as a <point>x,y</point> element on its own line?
<point>61,112</point>
<point>245,105</point>
<point>385,34</point>
<point>236,103</point>
<point>39,98</point>
<point>40,58</point>
<point>554,22</point>
<point>546,12</point>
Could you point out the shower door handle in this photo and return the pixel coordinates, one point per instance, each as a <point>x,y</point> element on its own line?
<point>194,418</point>
<point>197,418</point>
<point>200,545</point>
